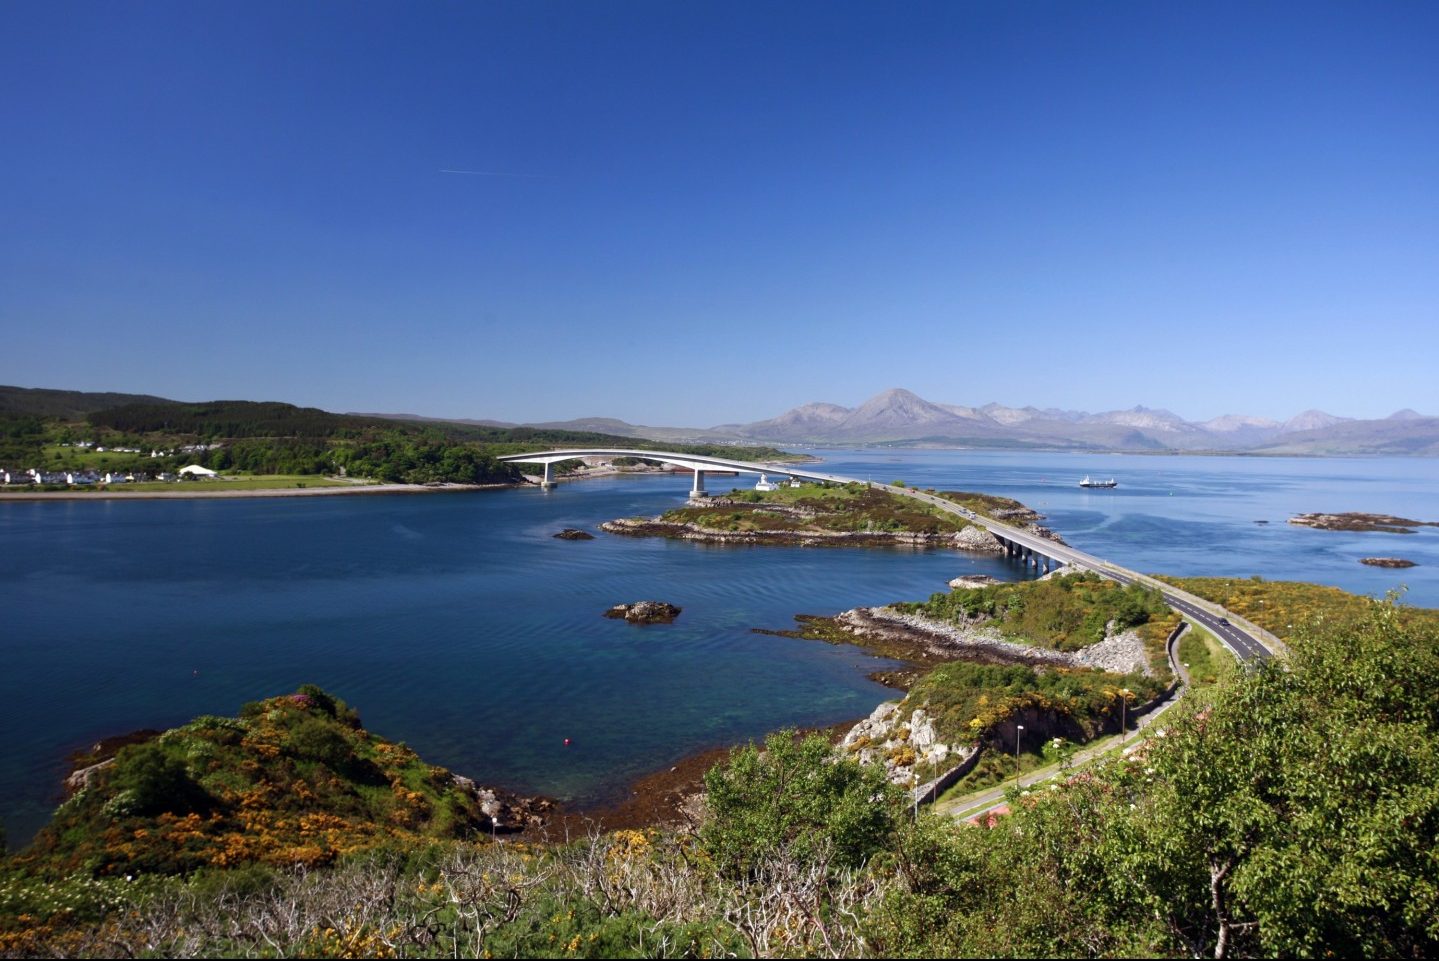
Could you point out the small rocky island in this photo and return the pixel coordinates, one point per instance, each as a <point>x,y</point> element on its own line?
<point>849,515</point>
<point>1397,562</point>
<point>645,612</point>
<point>1358,521</point>
<point>573,534</point>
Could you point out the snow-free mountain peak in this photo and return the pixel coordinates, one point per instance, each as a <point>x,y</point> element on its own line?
<point>1311,420</point>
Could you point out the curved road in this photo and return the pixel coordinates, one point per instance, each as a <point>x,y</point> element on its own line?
<point>1249,643</point>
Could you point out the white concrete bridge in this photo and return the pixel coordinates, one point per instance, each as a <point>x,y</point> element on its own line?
<point>700,464</point>
<point>1246,641</point>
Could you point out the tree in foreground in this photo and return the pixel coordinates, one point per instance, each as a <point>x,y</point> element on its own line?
<point>795,796</point>
<point>1295,814</point>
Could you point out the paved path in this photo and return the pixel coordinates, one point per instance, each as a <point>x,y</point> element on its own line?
<point>981,803</point>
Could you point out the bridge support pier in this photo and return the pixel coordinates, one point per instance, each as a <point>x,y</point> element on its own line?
<point>548,482</point>
<point>1028,556</point>
<point>698,490</point>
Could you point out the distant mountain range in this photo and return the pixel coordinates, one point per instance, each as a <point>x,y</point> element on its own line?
<point>902,418</point>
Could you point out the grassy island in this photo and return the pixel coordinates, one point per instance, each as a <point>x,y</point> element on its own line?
<point>835,514</point>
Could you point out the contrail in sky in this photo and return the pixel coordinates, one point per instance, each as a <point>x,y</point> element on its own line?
<point>486,173</point>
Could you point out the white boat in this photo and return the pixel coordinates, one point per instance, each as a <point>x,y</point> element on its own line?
<point>1098,483</point>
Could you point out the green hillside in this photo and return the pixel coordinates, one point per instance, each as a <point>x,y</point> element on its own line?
<point>61,430</point>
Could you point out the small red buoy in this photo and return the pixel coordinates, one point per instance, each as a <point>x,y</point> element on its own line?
<point>567,742</point>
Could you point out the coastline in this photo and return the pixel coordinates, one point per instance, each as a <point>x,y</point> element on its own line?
<point>197,492</point>
<point>121,494</point>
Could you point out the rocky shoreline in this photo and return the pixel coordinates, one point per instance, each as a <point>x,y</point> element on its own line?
<point>1122,653</point>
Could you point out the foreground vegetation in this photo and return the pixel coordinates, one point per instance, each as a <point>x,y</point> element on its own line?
<point>1289,810</point>
<point>293,780</point>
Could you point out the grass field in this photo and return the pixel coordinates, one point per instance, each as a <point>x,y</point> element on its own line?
<point>1203,656</point>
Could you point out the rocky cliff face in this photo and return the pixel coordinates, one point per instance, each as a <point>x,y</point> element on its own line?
<point>901,743</point>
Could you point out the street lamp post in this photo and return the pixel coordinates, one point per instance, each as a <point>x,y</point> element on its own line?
<point>1125,694</point>
<point>1018,733</point>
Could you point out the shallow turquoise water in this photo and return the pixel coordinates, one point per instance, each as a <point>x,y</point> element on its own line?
<point>458,624</point>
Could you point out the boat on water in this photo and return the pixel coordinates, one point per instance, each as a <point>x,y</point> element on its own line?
<point>1087,482</point>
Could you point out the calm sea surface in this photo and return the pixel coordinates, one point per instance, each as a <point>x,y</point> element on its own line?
<point>458,624</point>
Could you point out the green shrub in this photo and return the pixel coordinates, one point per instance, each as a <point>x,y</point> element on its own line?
<point>148,781</point>
<point>796,797</point>
<point>319,740</point>
<point>566,925</point>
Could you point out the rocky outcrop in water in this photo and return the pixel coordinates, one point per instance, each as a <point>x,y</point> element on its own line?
<point>972,581</point>
<point>1397,562</point>
<point>572,534</point>
<point>644,612</point>
<point>1356,521</point>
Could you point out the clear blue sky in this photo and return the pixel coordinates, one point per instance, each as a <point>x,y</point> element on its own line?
<point>693,213</point>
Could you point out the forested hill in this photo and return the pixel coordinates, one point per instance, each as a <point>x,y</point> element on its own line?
<point>43,402</point>
<point>43,429</point>
<point>243,418</point>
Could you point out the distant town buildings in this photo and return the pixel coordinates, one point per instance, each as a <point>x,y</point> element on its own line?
<point>34,477</point>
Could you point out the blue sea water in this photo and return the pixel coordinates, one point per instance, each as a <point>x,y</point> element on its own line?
<point>1198,516</point>
<point>458,624</point>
